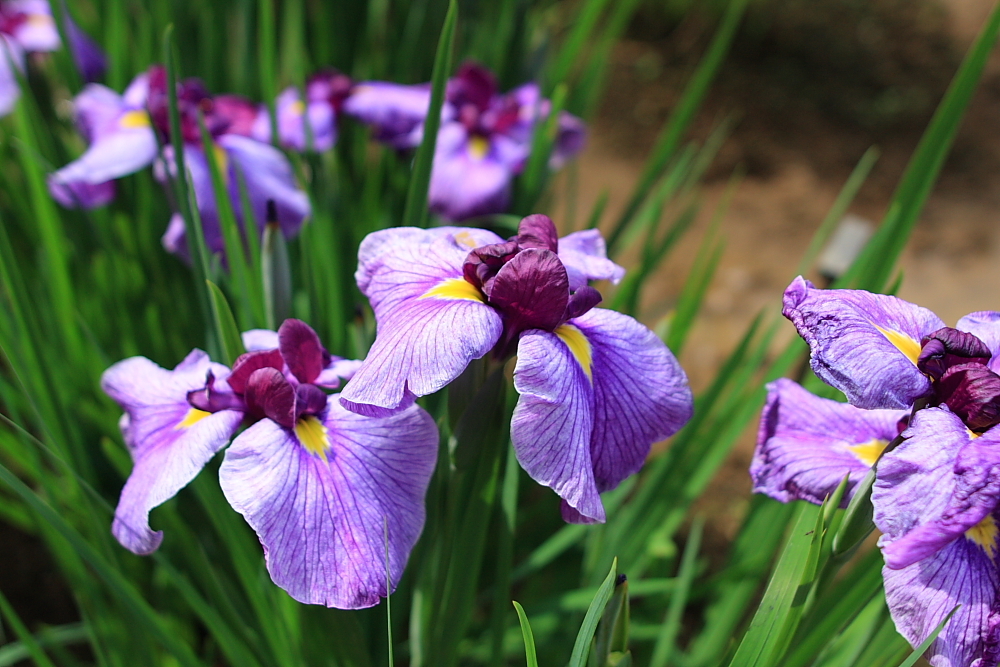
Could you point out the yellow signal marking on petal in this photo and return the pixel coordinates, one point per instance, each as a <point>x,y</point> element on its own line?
<point>478,148</point>
<point>579,346</point>
<point>868,452</point>
<point>40,20</point>
<point>131,120</point>
<point>455,288</point>
<point>193,416</point>
<point>298,107</point>
<point>985,534</point>
<point>465,238</point>
<point>313,435</point>
<point>909,346</point>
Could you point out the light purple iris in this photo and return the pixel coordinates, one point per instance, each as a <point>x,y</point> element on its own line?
<point>122,131</point>
<point>325,95</point>
<point>324,488</point>
<point>484,139</point>
<point>27,26</point>
<point>937,494</point>
<point>596,387</point>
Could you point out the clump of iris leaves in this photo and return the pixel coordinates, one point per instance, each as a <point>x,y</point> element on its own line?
<point>83,289</point>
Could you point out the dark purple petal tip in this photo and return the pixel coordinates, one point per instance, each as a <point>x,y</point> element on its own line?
<point>301,349</point>
<point>269,394</point>
<point>250,362</point>
<point>581,301</point>
<point>538,231</point>
<point>309,400</point>
<point>949,347</point>
<point>971,391</point>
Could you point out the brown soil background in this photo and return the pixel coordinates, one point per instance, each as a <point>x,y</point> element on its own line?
<point>813,84</point>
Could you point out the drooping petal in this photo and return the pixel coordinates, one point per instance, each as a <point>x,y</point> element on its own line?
<point>918,520</point>
<point>553,423</point>
<point>169,441</point>
<point>268,177</point>
<point>807,444</point>
<point>585,257</point>
<point>641,393</point>
<point>11,56</point>
<point>78,194</point>
<point>395,112</point>
<point>467,179</point>
<point>921,595</point>
<point>985,325</point>
<point>864,344</point>
<point>325,511</point>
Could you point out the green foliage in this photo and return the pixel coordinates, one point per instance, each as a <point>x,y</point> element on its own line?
<point>82,290</point>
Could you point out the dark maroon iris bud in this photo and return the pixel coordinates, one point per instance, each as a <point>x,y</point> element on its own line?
<point>250,362</point>
<point>949,347</point>
<point>300,348</point>
<point>208,399</point>
<point>971,391</point>
<point>482,264</point>
<point>223,114</point>
<point>537,231</point>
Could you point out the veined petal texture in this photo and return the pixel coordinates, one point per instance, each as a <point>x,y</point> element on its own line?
<point>325,513</point>
<point>864,344</point>
<point>807,444</point>
<point>170,442</point>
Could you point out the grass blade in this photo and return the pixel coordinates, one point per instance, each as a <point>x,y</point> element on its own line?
<point>531,659</point>
<point>581,648</point>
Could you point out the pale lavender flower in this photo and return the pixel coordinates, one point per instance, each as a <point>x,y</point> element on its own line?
<point>327,491</point>
<point>597,388</point>
<point>325,95</point>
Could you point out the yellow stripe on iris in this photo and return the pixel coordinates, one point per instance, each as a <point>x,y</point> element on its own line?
<point>193,416</point>
<point>868,452</point>
<point>985,534</point>
<point>578,346</point>
<point>454,288</point>
<point>313,435</point>
<point>909,346</point>
<point>133,119</point>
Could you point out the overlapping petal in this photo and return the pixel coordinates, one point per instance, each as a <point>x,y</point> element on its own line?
<point>585,257</point>
<point>292,115</point>
<point>168,440</point>
<point>426,337</point>
<point>807,444</point>
<point>984,325</point>
<point>864,344</point>
<point>395,111</point>
<point>468,178</point>
<point>553,423</point>
<point>641,393</point>
<point>324,520</point>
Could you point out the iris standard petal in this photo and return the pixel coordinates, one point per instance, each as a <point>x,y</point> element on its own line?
<point>963,499</point>
<point>268,177</point>
<point>641,393</point>
<point>984,325</point>
<point>585,257</point>
<point>807,444</point>
<point>553,423</point>
<point>324,508</point>
<point>864,344</point>
<point>395,112</point>
<point>466,180</point>
<point>170,442</point>
<point>921,595</point>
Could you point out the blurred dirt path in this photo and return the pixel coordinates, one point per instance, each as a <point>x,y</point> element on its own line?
<point>797,155</point>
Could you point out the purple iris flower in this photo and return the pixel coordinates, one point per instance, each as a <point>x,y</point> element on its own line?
<point>25,26</point>
<point>596,387</point>
<point>807,444</point>
<point>937,494</point>
<point>484,139</point>
<point>122,131</point>
<point>323,488</point>
<point>89,59</point>
<point>325,95</point>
